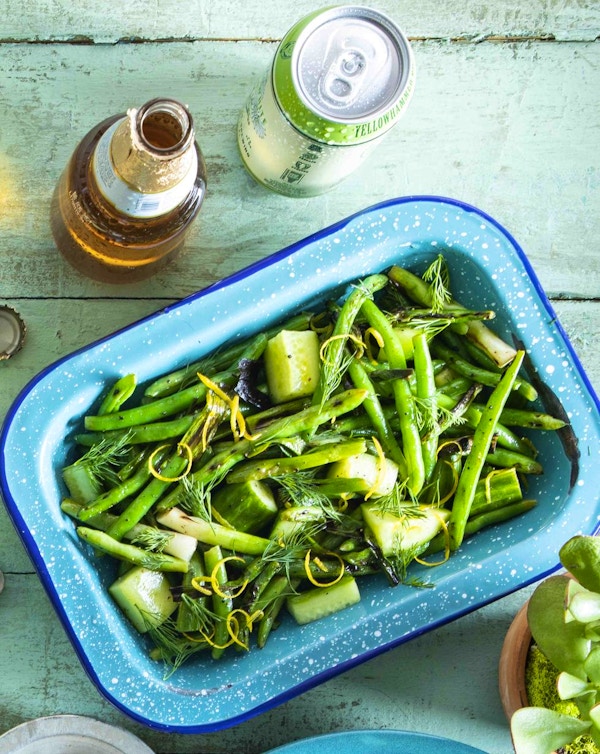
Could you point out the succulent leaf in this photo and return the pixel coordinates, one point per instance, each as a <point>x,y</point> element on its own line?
<point>570,686</point>
<point>580,555</point>
<point>563,643</point>
<point>536,730</point>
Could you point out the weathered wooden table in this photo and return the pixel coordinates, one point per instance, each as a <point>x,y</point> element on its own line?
<point>506,116</point>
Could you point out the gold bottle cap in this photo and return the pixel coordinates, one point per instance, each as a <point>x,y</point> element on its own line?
<point>12,332</point>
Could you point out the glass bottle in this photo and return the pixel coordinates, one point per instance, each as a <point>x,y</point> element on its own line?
<point>125,201</point>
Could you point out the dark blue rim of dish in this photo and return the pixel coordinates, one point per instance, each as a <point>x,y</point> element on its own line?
<point>329,673</point>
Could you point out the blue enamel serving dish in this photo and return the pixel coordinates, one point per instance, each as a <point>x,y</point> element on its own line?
<point>375,742</point>
<point>489,270</point>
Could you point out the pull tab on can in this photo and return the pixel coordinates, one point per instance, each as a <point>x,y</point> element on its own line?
<point>356,67</point>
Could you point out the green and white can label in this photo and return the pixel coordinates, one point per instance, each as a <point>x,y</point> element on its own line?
<point>341,79</point>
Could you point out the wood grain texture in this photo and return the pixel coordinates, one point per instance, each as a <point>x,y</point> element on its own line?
<point>519,141</point>
<point>78,20</point>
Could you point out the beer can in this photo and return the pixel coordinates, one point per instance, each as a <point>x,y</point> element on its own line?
<point>340,80</point>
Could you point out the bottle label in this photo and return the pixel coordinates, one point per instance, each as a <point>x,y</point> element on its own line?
<point>124,197</point>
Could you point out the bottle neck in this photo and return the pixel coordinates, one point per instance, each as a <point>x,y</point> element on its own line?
<point>146,163</point>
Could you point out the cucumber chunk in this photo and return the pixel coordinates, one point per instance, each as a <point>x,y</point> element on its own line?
<point>82,484</point>
<point>320,602</point>
<point>246,506</point>
<point>144,596</point>
<point>394,534</point>
<point>292,364</point>
<point>379,479</point>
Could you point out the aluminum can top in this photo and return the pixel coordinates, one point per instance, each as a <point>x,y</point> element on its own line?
<point>344,74</point>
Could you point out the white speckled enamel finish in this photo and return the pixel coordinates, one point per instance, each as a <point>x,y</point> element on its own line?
<point>488,270</point>
<point>375,742</point>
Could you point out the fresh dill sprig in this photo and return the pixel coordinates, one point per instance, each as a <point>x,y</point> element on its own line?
<point>300,490</point>
<point>438,276</point>
<point>197,496</point>
<point>153,539</point>
<point>172,647</point>
<point>397,503</point>
<point>334,365</point>
<point>431,416</point>
<point>401,560</point>
<point>292,548</point>
<point>104,458</point>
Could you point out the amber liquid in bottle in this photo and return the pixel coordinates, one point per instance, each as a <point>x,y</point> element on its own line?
<point>114,244</point>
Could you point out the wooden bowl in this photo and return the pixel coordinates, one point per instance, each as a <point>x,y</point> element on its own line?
<point>513,659</point>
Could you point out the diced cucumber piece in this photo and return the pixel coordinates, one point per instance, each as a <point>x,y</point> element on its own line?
<point>320,602</point>
<point>246,506</point>
<point>82,484</point>
<point>292,364</point>
<point>291,520</point>
<point>144,596</point>
<point>380,475</point>
<point>394,534</point>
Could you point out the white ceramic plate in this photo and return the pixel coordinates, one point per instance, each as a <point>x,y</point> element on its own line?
<point>70,734</point>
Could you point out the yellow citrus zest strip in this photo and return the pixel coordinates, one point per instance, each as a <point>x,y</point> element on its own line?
<point>233,629</point>
<point>448,443</point>
<point>214,387</point>
<point>446,546</point>
<point>209,640</point>
<point>237,421</point>
<point>380,468</point>
<point>452,490</point>
<point>219,518</point>
<point>234,406</point>
<point>160,476</point>
<point>233,624</point>
<point>240,421</point>
<point>196,582</point>
<point>360,346</point>
<point>372,334</point>
<point>342,504</point>
<point>488,484</point>
<point>321,566</point>
<point>195,639</point>
<point>215,581</point>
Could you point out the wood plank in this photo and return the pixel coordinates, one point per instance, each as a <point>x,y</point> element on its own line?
<point>137,19</point>
<point>527,119</point>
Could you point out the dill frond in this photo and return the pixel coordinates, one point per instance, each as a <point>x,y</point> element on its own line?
<point>173,648</point>
<point>197,496</point>
<point>300,490</point>
<point>397,502</point>
<point>103,459</point>
<point>438,276</point>
<point>152,539</point>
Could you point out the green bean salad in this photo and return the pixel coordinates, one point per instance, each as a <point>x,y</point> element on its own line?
<point>275,473</point>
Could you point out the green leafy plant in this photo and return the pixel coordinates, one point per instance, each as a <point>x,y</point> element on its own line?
<point>564,619</point>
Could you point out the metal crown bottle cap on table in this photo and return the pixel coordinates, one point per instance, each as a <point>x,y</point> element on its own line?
<point>344,75</point>
<point>12,332</point>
